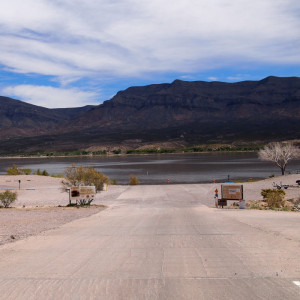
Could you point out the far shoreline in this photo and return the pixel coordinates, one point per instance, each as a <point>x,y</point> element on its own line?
<point>124,154</point>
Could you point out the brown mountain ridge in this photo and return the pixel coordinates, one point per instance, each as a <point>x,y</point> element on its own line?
<point>190,112</point>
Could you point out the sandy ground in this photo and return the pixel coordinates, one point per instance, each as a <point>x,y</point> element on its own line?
<point>37,210</point>
<point>20,223</point>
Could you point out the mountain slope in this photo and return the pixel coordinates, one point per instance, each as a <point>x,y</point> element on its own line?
<point>19,119</point>
<point>194,105</point>
<point>189,112</point>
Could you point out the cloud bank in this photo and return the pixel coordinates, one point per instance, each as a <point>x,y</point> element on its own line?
<point>52,97</point>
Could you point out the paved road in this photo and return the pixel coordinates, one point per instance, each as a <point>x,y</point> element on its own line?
<point>159,242</point>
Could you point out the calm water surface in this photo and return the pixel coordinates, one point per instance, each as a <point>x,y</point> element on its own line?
<point>157,169</point>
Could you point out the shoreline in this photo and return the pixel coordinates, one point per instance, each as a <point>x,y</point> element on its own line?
<point>124,154</point>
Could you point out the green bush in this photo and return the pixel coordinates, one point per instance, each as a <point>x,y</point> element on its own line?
<point>45,173</point>
<point>58,175</point>
<point>100,152</point>
<point>14,170</point>
<point>133,180</point>
<point>42,173</point>
<point>26,171</point>
<point>273,197</point>
<point>7,198</point>
<point>117,151</point>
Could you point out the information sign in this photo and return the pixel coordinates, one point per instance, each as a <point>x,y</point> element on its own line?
<point>82,192</point>
<point>232,192</point>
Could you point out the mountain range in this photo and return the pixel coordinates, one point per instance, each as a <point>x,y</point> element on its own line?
<point>179,113</point>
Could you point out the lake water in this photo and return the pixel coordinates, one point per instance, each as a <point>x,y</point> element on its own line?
<point>157,169</point>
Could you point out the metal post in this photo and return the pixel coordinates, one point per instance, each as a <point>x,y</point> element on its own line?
<point>70,196</point>
<point>19,184</point>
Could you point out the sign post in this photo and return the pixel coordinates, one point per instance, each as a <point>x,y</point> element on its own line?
<point>216,197</point>
<point>231,192</point>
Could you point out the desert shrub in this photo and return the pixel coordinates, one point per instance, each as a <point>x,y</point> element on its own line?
<point>114,181</point>
<point>79,175</point>
<point>14,170</point>
<point>26,171</point>
<point>7,198</point>
<point>100,152</point>
<point>273,197</point>
<point>45,173</point>
<point>42,173</point>
<point>133,180</point>
<point>117,151</point>
<point>255,206</point>
<point>57,175</point>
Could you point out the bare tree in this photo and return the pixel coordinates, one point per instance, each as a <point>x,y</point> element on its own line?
<point>279,153</point>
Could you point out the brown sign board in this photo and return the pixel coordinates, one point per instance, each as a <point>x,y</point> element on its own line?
<point>232,192</point>
<point>222,202</point>
<point>82,192</point>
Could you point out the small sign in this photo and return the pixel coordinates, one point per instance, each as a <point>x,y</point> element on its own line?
<point>82,192</point>
<point>222,202</point>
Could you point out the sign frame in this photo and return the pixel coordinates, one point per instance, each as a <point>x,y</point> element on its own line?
<point>232,192</point>
<point>82,194</point>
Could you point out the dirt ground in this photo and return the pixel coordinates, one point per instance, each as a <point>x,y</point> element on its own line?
<point>19,223</point>
<point>37,206</point>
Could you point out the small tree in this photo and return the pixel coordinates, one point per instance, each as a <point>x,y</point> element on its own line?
<point>7,198</point>
<point>133,180</point>
<point>279,153</point>
<point>79,175</point>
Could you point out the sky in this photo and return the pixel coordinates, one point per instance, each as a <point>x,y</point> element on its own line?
<point>70,53</point>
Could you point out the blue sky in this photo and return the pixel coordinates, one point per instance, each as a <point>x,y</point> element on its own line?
<point>67,53</point>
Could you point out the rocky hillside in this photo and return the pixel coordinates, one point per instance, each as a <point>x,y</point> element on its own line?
<point>202,110</point>
<point>189,112</point>
<point>20,119</point>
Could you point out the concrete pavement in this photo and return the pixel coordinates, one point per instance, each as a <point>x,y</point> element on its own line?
<point>159,242</point>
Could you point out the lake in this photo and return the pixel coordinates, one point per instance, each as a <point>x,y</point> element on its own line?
<point>157,169</point>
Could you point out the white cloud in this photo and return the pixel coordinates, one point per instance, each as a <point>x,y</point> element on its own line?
<point>74,39</point>
<point>51,97</point>
<point>88,38</point>
<point>212,78</point>
<point>241,77</point>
